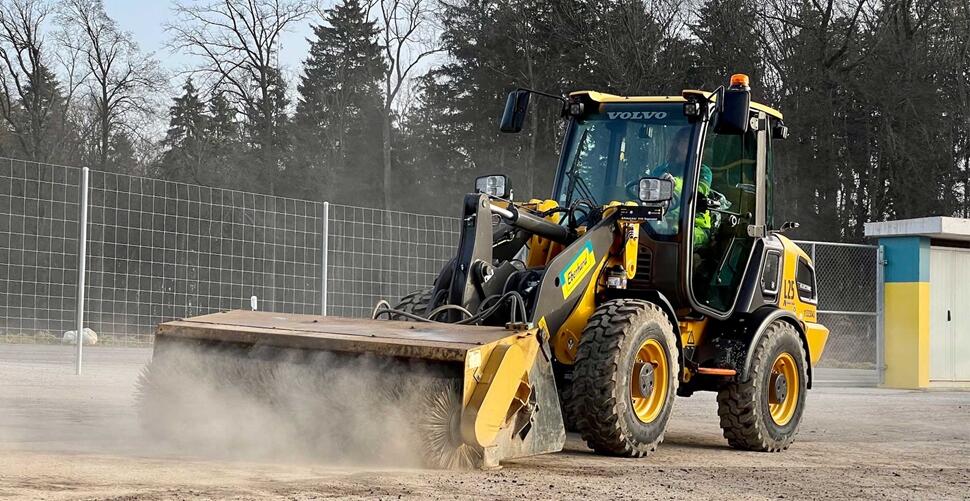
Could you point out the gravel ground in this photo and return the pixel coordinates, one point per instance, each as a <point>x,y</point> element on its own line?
<point>69,437</point>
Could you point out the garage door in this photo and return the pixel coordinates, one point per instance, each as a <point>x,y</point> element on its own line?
<point>949,314</point>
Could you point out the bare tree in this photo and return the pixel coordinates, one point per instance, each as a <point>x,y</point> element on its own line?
<point>121,80</point>
<point>408,37</point>
<point>31,103</point>
<point>238,42</point>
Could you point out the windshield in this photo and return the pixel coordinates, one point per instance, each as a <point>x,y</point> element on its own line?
<point>609,152</point>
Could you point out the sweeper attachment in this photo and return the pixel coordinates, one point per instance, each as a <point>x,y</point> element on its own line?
<point>463,395</point>
<point>654,270</point>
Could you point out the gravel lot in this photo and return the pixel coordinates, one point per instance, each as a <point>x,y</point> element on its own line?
<point>69,437</point>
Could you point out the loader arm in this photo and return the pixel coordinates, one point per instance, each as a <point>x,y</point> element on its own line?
<point>569,274</point>
<point>476,274</point>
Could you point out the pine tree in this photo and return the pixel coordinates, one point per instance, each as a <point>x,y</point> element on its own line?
<point>727,44</point>
<point>123,154</point>
<point>339,105</point>
<point>223,135</point>
<point>493,47</point>
<point>38,121</point>
<point>223,126</point>
<point>185,141</point>
<point>266,129</point>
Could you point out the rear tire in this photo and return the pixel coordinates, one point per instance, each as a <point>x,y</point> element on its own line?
<point>764,412</point>
<point>415,302</point>
<point>625,378</point>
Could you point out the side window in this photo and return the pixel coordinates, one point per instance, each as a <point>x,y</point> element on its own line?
<point>722,247</point>
<point>770,274</point>
<point>732,162</point>
<point>805,281</point>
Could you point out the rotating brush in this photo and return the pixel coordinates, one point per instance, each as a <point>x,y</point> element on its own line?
<point>438,425</point>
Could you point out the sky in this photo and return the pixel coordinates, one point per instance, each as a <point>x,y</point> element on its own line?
<point>146,19</point>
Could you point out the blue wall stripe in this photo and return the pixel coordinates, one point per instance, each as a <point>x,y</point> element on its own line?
<point>908,258</point>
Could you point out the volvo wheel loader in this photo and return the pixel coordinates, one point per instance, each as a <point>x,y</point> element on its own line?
<point>655,269</point>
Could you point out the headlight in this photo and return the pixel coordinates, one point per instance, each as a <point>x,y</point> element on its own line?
<point>494,185</point>
<point>655,190</point>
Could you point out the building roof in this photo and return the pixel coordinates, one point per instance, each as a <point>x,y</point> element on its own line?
<point>945,228</point>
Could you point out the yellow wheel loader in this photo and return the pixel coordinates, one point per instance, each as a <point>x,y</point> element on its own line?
<point>655,269</point>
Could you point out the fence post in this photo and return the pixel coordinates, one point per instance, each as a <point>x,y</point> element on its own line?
<point>82,245</point>
<point>880,313</point>
<point>325,245</point>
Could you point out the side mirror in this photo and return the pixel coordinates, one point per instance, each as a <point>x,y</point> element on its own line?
<point>656,190</point>
<point>780,131</point>
<point>495,185</point>
<point>733,106</point>
<point>786,226</point>
<point>516,108</point>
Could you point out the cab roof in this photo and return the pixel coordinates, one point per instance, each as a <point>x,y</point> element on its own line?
<point>602,97</point>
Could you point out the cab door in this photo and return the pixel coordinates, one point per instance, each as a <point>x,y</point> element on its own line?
<point>737,166</point>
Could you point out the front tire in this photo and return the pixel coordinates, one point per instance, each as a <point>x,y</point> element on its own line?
<point>625,378</point>
<point>764,412</point>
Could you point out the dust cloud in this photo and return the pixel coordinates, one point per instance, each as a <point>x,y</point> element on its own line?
<point>288,405</point>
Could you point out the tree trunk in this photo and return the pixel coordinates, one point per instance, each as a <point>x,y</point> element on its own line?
<point>105,138</point>
<point>386,134</point>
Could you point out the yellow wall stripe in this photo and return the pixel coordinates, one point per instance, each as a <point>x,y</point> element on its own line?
<point>907,334</point>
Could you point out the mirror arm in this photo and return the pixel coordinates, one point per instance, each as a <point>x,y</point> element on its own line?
<point>718,95</point>
<point>559,98</point>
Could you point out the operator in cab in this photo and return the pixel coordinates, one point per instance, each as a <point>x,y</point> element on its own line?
<point>676,156</point>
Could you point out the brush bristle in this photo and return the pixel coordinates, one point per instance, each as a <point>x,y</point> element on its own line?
<point>437,427</point>
<point>290,403</point>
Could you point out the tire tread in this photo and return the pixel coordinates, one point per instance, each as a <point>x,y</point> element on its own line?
<point>738,406</point>
<point>595,405</point>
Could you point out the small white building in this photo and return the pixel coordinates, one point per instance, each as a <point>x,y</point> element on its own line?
<point>926,300</point>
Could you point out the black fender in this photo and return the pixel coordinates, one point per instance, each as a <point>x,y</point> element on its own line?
<point>757,323</point>
<point>656,297</point>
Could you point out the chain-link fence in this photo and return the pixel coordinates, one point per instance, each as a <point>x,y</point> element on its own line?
<point>849,285</point>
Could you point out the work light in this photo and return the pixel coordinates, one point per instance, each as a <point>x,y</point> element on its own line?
<point>655,190</point>
<point>495,185</point>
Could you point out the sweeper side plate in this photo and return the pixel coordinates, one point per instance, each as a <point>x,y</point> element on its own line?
<point>433,341</point>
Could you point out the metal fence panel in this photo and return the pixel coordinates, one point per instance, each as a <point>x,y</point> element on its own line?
<point>378,254</point>
<point>39,210</point>
<point>160,250</point>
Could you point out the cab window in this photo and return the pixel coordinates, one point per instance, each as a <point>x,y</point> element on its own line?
<point>805,281</point>
<point>608,152</point>
<point>721,256</point>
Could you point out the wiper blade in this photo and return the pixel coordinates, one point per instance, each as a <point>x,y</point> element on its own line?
<point>586,192</point>
<point>574,177</point>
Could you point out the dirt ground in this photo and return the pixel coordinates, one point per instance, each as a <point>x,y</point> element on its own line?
<point>69,437</point>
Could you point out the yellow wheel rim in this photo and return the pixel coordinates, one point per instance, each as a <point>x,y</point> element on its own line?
<point>649,381</point>
<point>783,389</point>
